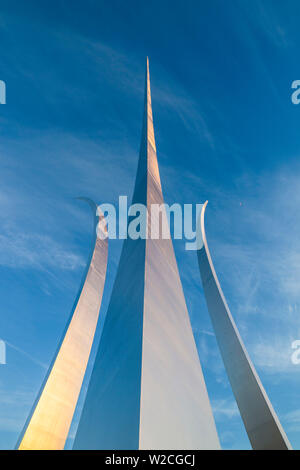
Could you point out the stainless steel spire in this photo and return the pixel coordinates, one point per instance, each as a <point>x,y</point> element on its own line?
<point>147,389</point>
<point>261,422</point>
<point>48,424</point>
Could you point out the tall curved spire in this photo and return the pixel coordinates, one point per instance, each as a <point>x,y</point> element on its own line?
<point>50,419</point>
<point>261,422</point>
<point>147,389</point>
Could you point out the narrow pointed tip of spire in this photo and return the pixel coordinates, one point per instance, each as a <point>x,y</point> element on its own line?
<point>148,131</point>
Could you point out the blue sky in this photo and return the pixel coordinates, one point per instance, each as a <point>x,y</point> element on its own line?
<point>226,131</point>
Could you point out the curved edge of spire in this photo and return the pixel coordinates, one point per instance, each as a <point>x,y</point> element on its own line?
<point>219,311</point>
<point>93,207</point>
<point>205,246</point>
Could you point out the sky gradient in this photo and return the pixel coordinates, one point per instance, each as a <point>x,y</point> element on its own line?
<point>226,130</point>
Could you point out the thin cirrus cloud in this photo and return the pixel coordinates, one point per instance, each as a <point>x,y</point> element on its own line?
<point>263,253</point>
<point>225,409</point>
<point>292,420</point>
<point>13,407</point>
<point>253,236</point>
<point>267,19</point>
<point>35,251</point>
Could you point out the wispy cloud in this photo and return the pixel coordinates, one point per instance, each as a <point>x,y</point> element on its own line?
<point>292,420</point>
<point>265,16</point>
<point>225,409</point>
<point>257,260</point>
<point>126,73</point>
<point>27,355</point>
<point>274,355</point>
<point>252,233</point>
<point>35,251</point>
<point>13,408</point>
<point>205,332</point>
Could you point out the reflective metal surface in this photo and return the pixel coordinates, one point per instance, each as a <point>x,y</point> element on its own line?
<point>261,422</point>
<point>48,424</point>
<point>147,389</point>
